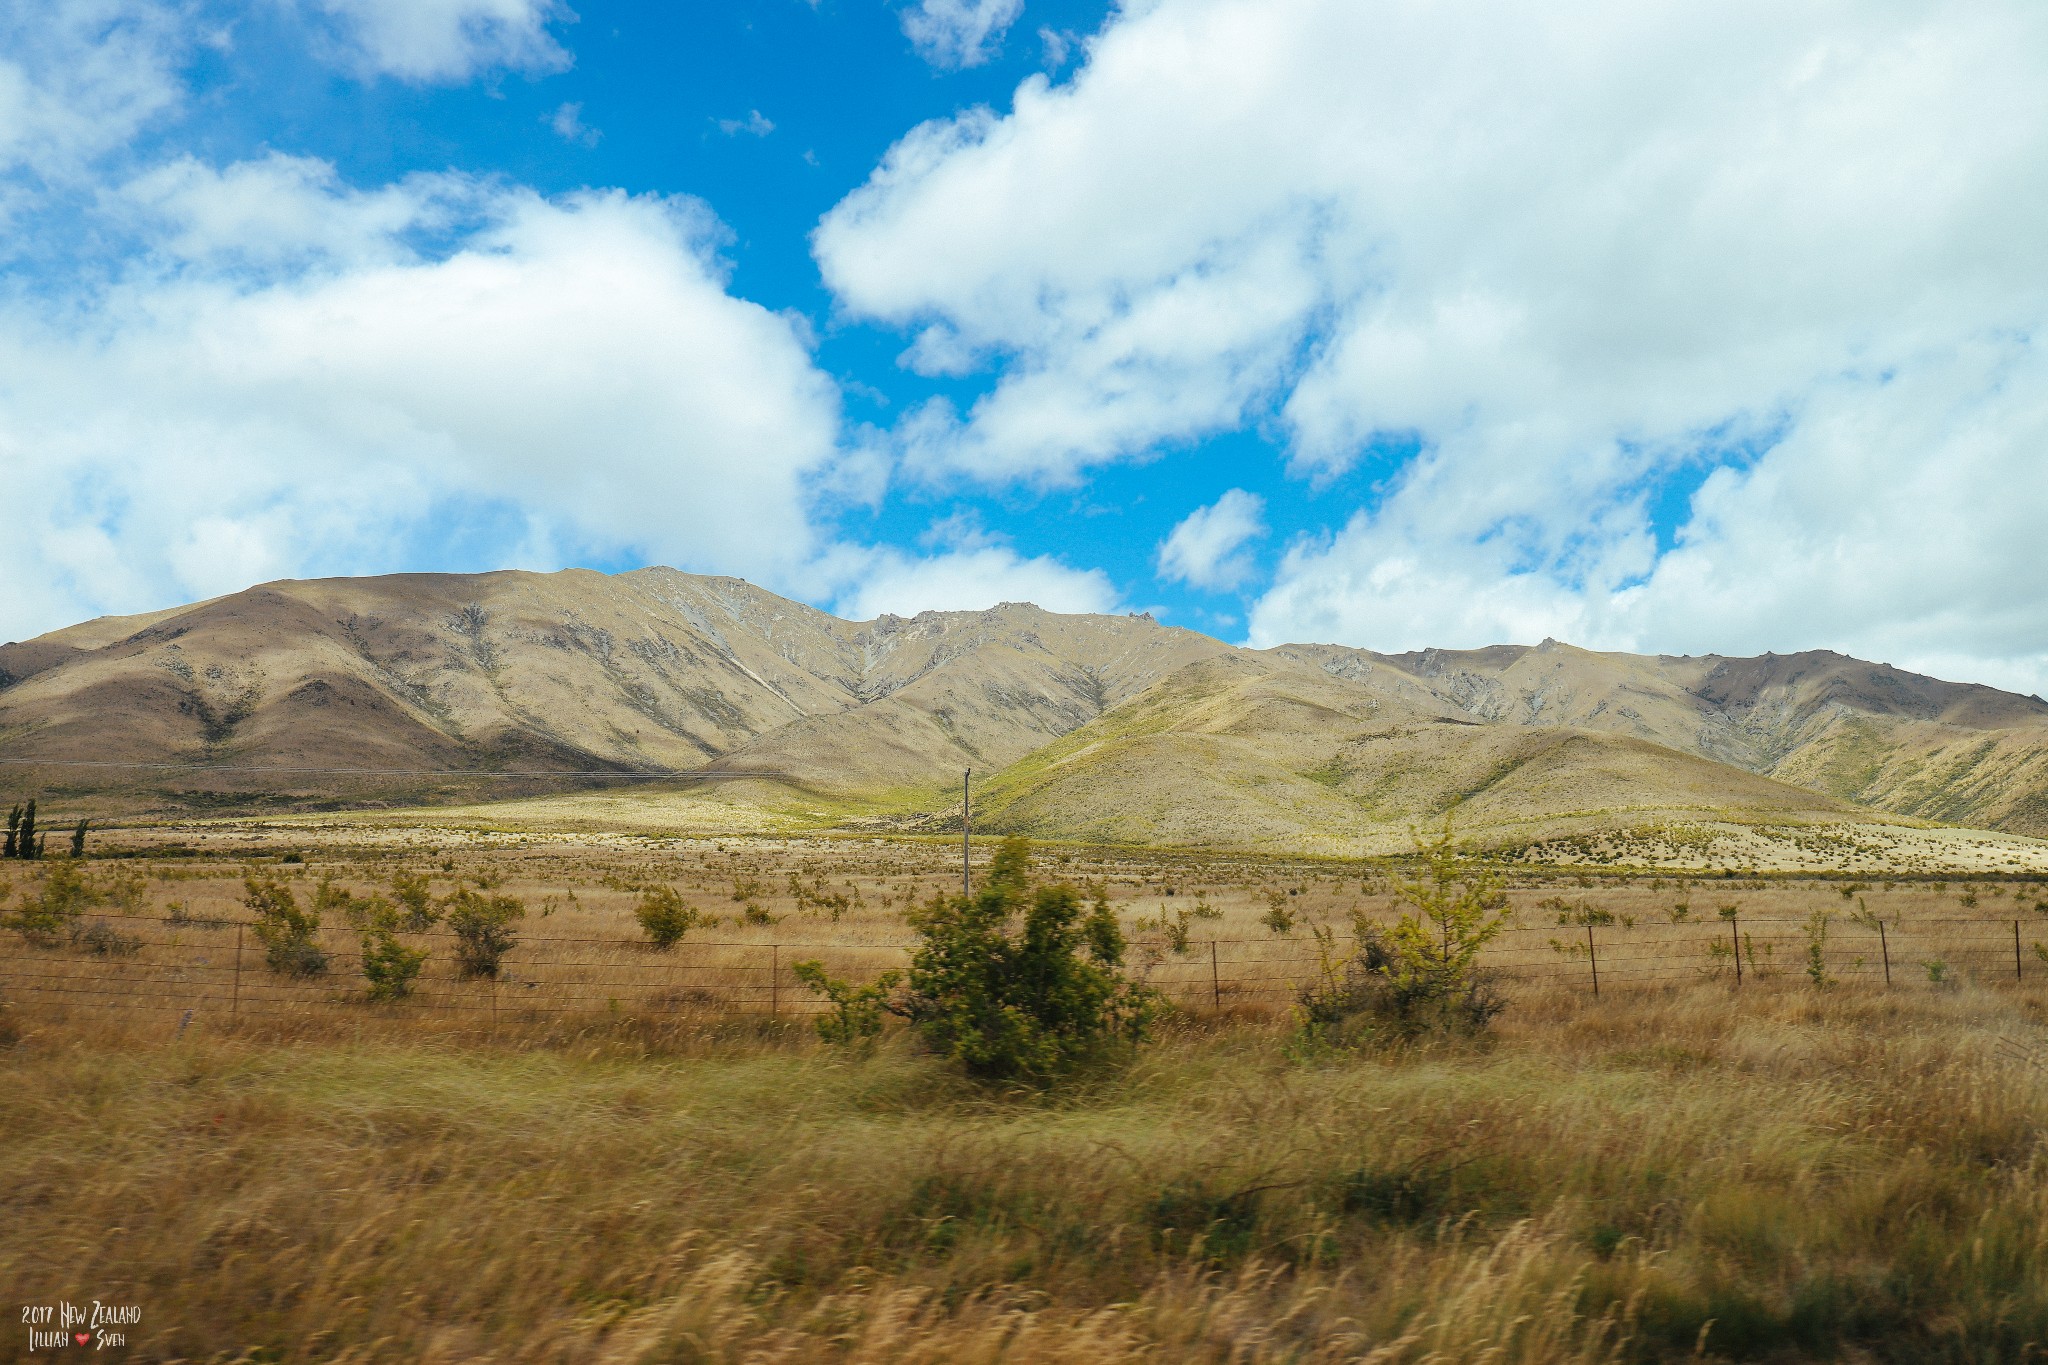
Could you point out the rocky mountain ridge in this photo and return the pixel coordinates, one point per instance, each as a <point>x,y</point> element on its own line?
<point>443,687</point>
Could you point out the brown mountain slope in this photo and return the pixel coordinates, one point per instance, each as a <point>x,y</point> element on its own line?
<point>387,686</point>
<point>1865,732</point>
<point>641,672</point>
<point>1273,754</point>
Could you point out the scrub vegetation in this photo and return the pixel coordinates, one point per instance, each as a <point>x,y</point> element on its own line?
<point>1409,1156</point>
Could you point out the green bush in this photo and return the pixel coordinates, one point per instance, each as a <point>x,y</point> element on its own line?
<point>483,930</point>
<point>52,911</point>
<point>666,916</point>
<point>389,966</point>
<point>1020,982</point>
<point>857,1011</point>
<point>284,929</point>
<point>415,891</point>
<point>1421,975</point>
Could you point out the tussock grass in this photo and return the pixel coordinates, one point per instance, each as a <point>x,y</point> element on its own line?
<point>1776,1174</point>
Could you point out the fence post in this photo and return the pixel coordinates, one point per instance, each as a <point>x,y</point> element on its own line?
<point>1593,958</point>
<point>1885,947</point>
<point>235,1007</point>
<point>774,981</point>
<point>1216,984</point>
<point>1735,941</point>
<point>2017,975</point>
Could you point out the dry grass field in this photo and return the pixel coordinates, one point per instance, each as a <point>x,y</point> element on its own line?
<point>614,1154</point>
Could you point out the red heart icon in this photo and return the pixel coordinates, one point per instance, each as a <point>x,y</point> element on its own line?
<point>81,1337</point>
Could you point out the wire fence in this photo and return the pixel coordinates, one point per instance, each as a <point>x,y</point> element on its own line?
<point>219,968</point>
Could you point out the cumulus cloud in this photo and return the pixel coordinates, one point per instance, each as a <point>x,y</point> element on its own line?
<point>1207,548</point>
<point>1568,255</point>
<point>959,33</point>
<point>293,383</point>
<point>79,78</point>
<point>448,40</point>
<point>972,577</point>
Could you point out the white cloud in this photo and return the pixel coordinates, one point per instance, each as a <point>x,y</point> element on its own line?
<point>1564,251</point>
<point>448,40</point>
<point>79,78</point>
<point>1207,548</point>
<point>284,212</point>
<point>570,371</point>
<point>755,124</point>
<point>1898,521</point>
<point>959,33</point>
<point>973,578</point>
<point>567,121</point>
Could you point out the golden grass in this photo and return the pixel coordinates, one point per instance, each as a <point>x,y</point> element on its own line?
<point>582,952</point>
<point>1780,1173</point>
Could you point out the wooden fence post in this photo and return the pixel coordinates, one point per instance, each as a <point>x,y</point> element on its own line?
<point>2017,974</point>
<point>1885,947</point>
<point>774,981</point>
<point>1735,939</point>
<point>235,1007</point>
<point>1593,958</point>
<point>1216,984</point>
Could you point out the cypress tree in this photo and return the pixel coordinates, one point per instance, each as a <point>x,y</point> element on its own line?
<point>25,841</point>
<point>78,840</point>
<point>13,829</point>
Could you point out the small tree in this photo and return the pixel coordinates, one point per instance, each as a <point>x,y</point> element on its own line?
<point>78,839</point>
<point>666,916</point>
<point>1817,949</point>
<point>53,911</point>
<point>1020,982</point>
<point>857,1011</point>
<point>22,840</point>
<point>1423,973</point>
<point>389,966</point>
<point>284,929</point>
<point>483,930</point>
<point>415,892</point>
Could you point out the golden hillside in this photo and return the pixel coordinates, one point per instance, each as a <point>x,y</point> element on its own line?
<point>465,688</point>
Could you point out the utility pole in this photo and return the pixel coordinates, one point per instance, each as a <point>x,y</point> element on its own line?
<point>966,879</point>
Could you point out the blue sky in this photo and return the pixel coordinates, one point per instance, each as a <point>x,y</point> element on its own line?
<point>1695,330</point>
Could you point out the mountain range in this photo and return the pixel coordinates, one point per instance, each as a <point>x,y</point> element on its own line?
<point>440,688</point>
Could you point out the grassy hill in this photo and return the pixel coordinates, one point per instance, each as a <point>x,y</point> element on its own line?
<point>466,688</point>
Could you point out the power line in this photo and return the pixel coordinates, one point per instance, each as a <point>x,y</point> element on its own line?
<point>686,774</point>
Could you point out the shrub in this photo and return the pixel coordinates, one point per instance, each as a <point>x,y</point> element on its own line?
<point>389,966</point>
<point>1817,949</point>
<point>666,916</point>
<point>1019,982</point>
<point>483,930</point>
<point>1278,918</point>
<point>1422,975</point>
<point>330,900</point>
<point>857,1011</point>
<point>285,931</point>
<point>415,892</point>
<point>64,894</point>
<point>104,940</point>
